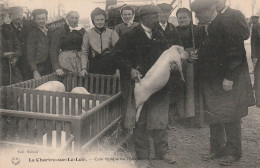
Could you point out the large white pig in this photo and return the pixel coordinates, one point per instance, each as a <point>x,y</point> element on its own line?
<point>54,86</point>
<point>157,77</point>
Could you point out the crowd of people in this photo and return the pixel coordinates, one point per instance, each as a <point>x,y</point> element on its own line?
<point>217,82</point>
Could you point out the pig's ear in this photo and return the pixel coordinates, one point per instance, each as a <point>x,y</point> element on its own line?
<point>182,52</point>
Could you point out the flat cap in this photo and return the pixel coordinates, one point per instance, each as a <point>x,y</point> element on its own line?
<point>165,7</point>
<point>15,9</point>
<point>198,5</point>
<point>148,10</point>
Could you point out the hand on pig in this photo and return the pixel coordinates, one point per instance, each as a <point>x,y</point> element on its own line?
<point>135,75</point>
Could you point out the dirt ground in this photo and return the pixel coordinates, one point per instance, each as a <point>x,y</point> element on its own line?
<point>190,144</point>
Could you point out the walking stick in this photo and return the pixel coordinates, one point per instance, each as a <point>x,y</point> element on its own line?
<point>192,29</point>
<point>10,72</point>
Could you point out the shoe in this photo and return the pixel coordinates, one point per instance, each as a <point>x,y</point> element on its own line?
<point>227,160</point>
<point>170,159</point>
<point>209,156</point>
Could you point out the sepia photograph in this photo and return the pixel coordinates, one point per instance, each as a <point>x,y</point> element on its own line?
<point>129,83</point>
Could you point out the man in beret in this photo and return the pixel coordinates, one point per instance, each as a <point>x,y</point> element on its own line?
<point>38,45</point>
<point>255,55</point>
<point>10,52</point>
<point>225,81</point>
<point>21,28</point>
<point>236,17</point>
<point>134,54</point>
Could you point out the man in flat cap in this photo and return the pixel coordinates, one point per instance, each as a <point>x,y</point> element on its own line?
<point>37,50</point>
<point>236,17</point>
<point>21,28</point>
<point>255,55</point>
<point>134,54</point>
<point>10,52</point>
<point>225,81</point>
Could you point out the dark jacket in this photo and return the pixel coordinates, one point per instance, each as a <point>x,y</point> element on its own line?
<point>255,41</point>
<point>10,43</point>
<point>239,28</point>
<point>136,50</point>
<point>37,47</point>
<point>23,64</point>
<point>223,56</point>
<point>65,40</point>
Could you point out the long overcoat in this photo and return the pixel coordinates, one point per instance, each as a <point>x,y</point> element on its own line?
<point>136,50</point>
<point>223,56</point>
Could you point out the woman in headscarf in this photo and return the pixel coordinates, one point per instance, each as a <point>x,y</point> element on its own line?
<point>66,44</point>
<point>128,16</point>
<point>97,45</point>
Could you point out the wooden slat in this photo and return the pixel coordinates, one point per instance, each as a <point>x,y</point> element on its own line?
<point>3,128</point>
<point>15,98</point>
<point>91,83</point>
<point>28,100</point>
<point>66,104</point>
<point>58,133</point>
<point>54,103</point>
<point>48,101</point>
<point>34,100</point>
<point>86,103</point>
<point>40,94</point>
<point>86,83</point>
<point>97,84</point>
<point>9,97</point>
<point>73,98</point>
<point>80,104</point>
<point>102,84</point>
<point>33,83</point>
<point>108,85</point>
<point>68,131</point>
<point>61,95</point>
<point>74,81</point>
<point>40,133</point>
<point>114,86</point>
<point>21,130</point>
<point>13,128</point>
<point>21,99</point>
<point>48,128</point>
<point>31,126</point>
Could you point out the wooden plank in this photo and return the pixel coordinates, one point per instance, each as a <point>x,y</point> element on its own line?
<point>114,85</point>
<point>21,99</point>
<point>15,98</point>
<point>31,128</point>
<point>33,83</point>
<point>91,83</point>
<point>48,101</point>
<point>67,104</point>
<point>40,94</point>
<point>21,133</point>
<point>34,100</point>
<point>9,97</point>
<point>97,84</point>
<point>86,83</point>
<point>80,104</point>
<point>60,95</point>
<point>58,133</point>
<point>54,106</point>
<point>73,109</point>
<point>67,129</point>
<point>86,103</point>
<point>28,100</point>
<point>48,127</point>
<point>102,84</point>
<point>4,127</point>
<point>108,85</point>
<point>3,100</point>
<point>13,128</point>
<point>40,133</point>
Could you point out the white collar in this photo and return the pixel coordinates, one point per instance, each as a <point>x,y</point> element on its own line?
<point>16,26</point>
<point>163,25</point>
<point>214,15</point>
<point>223,10</point>
<point>73,28</point>
<point>146,29</point>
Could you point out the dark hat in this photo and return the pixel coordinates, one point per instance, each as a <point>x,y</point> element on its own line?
<point>15,9</point>
<point>254,17</point>
<point>198,5</point>
<point>165,7</point>
<point>183,10</point>
<point>148,10</point>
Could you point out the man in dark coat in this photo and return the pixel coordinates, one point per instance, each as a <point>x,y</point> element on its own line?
<point>10,53</point>
<point>255,55</point>
<point>242,31</point>
<point>225,81</point>
<point>38,46</point>
<point>135,53</point>
<point>21,28</point>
